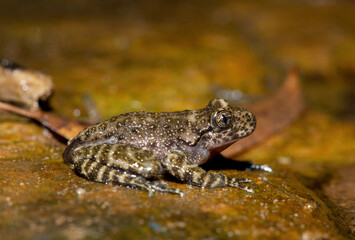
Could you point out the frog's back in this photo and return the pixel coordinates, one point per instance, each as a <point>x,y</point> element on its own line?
<point>156,131</point>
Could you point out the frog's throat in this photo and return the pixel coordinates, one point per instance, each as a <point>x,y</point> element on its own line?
<point>219,149</point>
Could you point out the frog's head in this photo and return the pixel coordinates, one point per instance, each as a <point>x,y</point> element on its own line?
<point>227,125</point>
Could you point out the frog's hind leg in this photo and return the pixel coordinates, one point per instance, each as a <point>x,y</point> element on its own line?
<point>97,172</point>
<point>125,165</point>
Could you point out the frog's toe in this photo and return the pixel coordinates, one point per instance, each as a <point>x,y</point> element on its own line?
<point>242,187</point>
<point>245,188</point>
<point>140,183</point>
<point>175,191</point>
<point>150,191</point>
<point>236,181</point>
<point>243,180</point>
<point>161,186</point>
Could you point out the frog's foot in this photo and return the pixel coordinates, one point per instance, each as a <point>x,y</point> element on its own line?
<point>151,187</point>
<point>137,182</point>
<point>262,167</point>
<point>161,186</point>
<point>236,182</point>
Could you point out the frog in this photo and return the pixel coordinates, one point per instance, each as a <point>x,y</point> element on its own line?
<point>134,149</point>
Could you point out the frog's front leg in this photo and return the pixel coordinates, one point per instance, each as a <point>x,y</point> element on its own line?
<point>120,164</point>
<point>177,164</point>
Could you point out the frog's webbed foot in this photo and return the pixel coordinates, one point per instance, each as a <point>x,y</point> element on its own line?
<point>261,167</point>
<point>152,186</point>
<point>162,186</point>
<point>178,165</point>
<point>236,182</point>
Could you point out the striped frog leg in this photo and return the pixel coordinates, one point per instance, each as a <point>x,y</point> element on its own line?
<point>120,164</point>
<point>177,164</point>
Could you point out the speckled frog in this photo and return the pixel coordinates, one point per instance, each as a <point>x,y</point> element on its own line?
<point>134,148</point>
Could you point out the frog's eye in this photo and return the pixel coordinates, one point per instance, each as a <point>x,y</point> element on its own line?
<point>221,119</point>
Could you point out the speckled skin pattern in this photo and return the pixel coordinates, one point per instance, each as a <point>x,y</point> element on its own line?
<point>133,149</point>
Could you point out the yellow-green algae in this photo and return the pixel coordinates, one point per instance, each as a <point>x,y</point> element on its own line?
<point>163,56</point>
